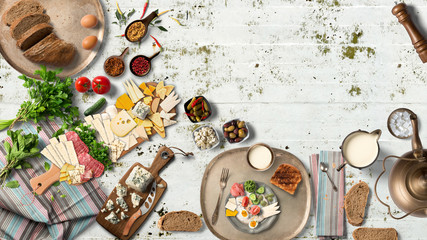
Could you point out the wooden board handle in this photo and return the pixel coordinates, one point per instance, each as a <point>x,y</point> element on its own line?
<point>131,221</point>
<point>41,183</point>
<point>417,39</point>
<point>163,157</point>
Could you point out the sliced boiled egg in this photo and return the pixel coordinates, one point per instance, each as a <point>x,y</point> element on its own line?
<point>244,213</point>
<point>253,224</point>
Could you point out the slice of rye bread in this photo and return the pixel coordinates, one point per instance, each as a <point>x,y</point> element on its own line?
<point>52,51</point>
<point>21,8</point>
<point>34,35</point>
<point>375,234</point>
<point>25,23</point>
<point>181,221</point>
<point>355,203</point>
<point>287,178</point>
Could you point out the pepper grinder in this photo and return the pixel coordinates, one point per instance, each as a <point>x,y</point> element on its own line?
<point>417,39</point>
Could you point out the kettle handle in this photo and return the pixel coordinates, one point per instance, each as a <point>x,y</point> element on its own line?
<point>385,204</point>
<point>417,146</point>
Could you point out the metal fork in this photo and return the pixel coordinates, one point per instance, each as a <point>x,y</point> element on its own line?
<point>222,184</point>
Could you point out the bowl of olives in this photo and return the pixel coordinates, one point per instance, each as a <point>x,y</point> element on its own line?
<point>236,131</point>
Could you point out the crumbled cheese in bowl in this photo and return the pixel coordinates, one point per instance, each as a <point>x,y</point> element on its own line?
<point>206,137</point>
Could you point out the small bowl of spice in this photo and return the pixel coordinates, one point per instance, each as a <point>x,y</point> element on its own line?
<point>198,109</point>
<point>137,30</point>
<point>114,66</point>
<point>141,65</point>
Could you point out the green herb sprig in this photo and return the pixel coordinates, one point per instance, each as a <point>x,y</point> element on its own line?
<point>96,149</point>
<point>123,17</point>
<point>49,98</point>
<point>23,146</point>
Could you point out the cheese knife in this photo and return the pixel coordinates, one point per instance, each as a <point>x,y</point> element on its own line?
<point>145,207</point>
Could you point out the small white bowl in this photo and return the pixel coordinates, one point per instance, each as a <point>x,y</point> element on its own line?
<point>216,134</point>
<point>248,134</point>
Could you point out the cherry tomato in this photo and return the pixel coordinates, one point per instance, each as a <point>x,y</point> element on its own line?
<point>101,85</point>
<point>255,210</point>
<point>245,201</point>
<point>82,84</point>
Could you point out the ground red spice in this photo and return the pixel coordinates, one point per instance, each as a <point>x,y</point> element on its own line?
<point>140,66</point>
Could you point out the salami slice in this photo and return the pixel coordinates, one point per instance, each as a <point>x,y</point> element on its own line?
<point>79,145</point>
<point>91,164</point>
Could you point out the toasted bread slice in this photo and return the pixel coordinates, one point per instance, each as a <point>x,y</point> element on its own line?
<point>355,203</point>
<point>182,221</point>
<point>375,234</point>
<point>287,178</point>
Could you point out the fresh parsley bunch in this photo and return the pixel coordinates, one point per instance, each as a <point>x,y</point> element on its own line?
<point>49,98</point>
<point>23,146</point>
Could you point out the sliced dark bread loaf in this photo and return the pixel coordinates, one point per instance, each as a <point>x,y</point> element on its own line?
<point>19,9</point>
<point>182,221</point>
<point>34,35</point>
<point>355,203</point>
<point>375,234</point>
<point>25,23</point>
<point>52,51</point>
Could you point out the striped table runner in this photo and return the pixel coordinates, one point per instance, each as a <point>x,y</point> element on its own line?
<point>330,204</point>
<point>62,212</point>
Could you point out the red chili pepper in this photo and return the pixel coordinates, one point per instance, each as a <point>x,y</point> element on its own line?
<point>195,102</point>
<point>190,115</point>
<point>203,106</point>
<point>203,118</point>
<point>157,42</point>
<point>145,9</point>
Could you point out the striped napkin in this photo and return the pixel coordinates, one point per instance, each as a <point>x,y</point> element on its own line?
<point>329,205</point>
<point>62,212</point>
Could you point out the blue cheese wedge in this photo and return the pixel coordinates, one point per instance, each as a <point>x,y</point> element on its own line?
<point>121,202</point>
<point>112,218</point>
<point>121,190</point>
<point>139,179</point>
<point>123,216</point>
<point>136,199</point>
<point>141,110</point>
<point>110,205</point>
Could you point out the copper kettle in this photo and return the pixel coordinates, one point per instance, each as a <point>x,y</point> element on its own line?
<point>407,181</point>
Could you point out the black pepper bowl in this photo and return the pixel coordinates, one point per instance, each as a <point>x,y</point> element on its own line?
<point>188,108</point>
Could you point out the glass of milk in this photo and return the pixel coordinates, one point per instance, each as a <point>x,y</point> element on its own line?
<point>360,149</point>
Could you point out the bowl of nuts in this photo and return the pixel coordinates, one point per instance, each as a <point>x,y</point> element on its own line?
<point>236,131</point>
<point>206,137</point>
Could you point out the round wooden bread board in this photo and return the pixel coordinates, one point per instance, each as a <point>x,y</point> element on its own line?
<point>140,140</point>
<point>65,16</point>
<point>295,209</point>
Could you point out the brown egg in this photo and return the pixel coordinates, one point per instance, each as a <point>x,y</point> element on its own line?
<point>89,42</point>
<point>89,21</point>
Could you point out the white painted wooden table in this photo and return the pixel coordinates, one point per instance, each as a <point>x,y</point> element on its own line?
<point>285,66</point>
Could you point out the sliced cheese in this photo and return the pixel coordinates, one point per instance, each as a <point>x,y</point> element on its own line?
<point>140,130</point>
<point>167,123</point>
<point>72,155</point>
<point>63,152</point>
<point>156,119</point>
<point>105,116</point>
<point>230,205</point>
<point>169,89</point>
<point>152,88</point>
<point>143,86</point>
<point>53,141</point>
<point>155,104</point>
<point>160,131</point>
<point>49,156</point>
<point>166,115</point>
<point>136,89</point>
<point>130,92</point>
<point>147,123</point>
<point>132,141</point>
<point>111,111</point>
<point>170,102</point>
<point>147,91</point>
<point>162,93</point>
<point>122,124</point>
<point>110,134</point>
<point>160,86</point>
<point>148,100</point>
<point>89,119</point>
<point>55,156</point>
<point>97,116</point>
<point>62,138</point>
<point>124,102</point>
<point>100,129</point>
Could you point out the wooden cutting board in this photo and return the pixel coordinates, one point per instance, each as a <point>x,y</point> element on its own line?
<point>117,229</point>
<point>140,140</point>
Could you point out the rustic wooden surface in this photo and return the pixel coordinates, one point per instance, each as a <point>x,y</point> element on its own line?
<point>304,74</point>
